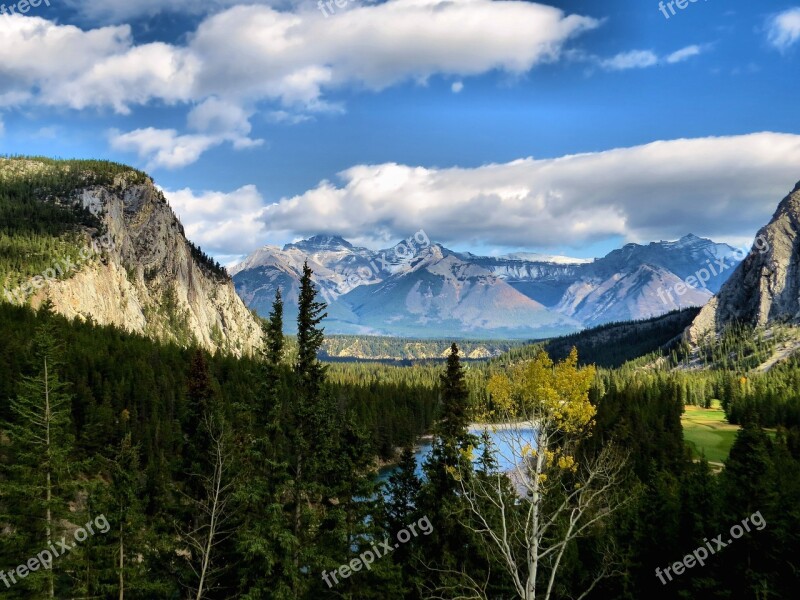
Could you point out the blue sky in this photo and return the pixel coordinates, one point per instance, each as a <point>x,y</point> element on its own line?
<point>267,122</point>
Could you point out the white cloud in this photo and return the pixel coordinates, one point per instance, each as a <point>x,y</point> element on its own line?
<point>40,55</point>
<point>246,56</point>
<point>783,29</point>
<point>282,116</point>
<point>254,53</point>
<point>635,59</point>
<point>721,187</point>
<point>163,147</point>
<point>221,223</point>
<point>457,87</point>
<point>642,59</point>
<point>684,54</point>
<point>2,128</point>
<point>215,121</point>
<point>258,52</point>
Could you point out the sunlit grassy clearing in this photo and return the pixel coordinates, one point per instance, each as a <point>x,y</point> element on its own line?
<point>708,432</point>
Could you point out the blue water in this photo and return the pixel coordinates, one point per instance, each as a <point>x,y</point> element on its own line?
<point>499,448</point>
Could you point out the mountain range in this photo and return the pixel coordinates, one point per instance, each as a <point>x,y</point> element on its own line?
<point>149,278</point>
<point>428,290</point>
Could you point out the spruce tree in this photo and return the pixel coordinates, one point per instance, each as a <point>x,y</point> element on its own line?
<point>126,491</point>
<point>446,549</point>
<point>311,436</point>
<point>402,494</point>
<point>308,369</point>
<point>263,538</point>
<point>272,354</point>
<point>41,440</point>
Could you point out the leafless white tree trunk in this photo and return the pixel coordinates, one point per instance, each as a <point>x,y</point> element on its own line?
<point>529,512</point>
<point>48,419</point>
<point>213,509</point>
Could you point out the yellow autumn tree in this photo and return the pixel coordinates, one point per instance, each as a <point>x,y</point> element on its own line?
<point>542,495</point>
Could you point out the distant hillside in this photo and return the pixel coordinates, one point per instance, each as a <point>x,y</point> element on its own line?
<point>613,344</point>
<point>353,347</point>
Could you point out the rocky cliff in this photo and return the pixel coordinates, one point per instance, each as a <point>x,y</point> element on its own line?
<point>765,287</point>
<point>141,273</point>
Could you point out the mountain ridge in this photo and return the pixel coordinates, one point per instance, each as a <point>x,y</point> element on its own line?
<point>435,291</point>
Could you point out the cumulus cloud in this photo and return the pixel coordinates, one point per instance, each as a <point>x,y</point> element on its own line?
<point>163,147</point>
<point>245,56</point>
<point>256,51</point>
<point>40,55</point>
<point>222,223</point>
<point>215,122</point>
<point>253,53</point>
<point>723,187</point>
<point>783,29</point>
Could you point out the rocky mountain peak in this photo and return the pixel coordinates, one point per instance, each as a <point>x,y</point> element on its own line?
<point>765,287</point>
<point>318,243</point>
<point>148,278</point>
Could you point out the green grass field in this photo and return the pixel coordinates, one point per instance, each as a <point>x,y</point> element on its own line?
<point>707,431</point>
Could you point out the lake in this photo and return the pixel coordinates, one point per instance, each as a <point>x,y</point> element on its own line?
<point>499,442</point>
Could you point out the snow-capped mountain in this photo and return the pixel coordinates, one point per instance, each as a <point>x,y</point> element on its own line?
<point>427,290</point>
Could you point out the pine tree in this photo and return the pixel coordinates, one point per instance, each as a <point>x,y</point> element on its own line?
<point>263,538</point>
<point>272,354</point>
<point>453,424</point>
<point>309,371</point>
<point>440,500</point>
<point>402,494</point>
<point>126,490</point>
<point>41,440</point>
<point>311,437</point>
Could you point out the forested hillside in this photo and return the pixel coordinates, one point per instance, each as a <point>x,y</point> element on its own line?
<point>221,477</point>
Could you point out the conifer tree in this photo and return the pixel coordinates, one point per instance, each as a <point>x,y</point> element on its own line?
<point>311,437</point>
<point>309,371</point>
<point>402,493</point>
<point>126,490</point>
<point>264,538</point>
<point>446,552</point>
<point>273,351</point>
<point>41,439</point>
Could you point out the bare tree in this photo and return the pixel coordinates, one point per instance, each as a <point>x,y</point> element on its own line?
<point>540,497</point>
<point>213,507</point>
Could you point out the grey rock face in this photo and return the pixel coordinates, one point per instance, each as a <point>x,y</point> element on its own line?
<point>148,281</point>
<point>765,287</point>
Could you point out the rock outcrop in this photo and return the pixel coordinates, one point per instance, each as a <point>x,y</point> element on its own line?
<point>145,276</point>
<point>765,287</point>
